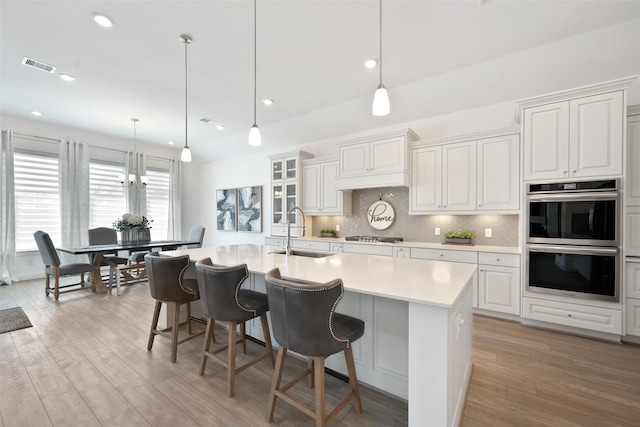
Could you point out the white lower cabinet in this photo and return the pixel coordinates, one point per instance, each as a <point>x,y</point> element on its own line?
<point>399,252</point>
<point>579,316</point>
<point>632,300</point>
<point>632,232</point>
<point>499,282</point>
<point>335,247</point>
<point>470,257</point>
<point>312,245</point>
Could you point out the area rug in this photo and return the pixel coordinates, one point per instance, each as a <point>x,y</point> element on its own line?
<point>12,319</point>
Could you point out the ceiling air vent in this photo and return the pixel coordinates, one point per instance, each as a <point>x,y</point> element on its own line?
<point>207,120</point>
<point>37,64</point>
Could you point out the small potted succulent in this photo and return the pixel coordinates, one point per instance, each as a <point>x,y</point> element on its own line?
<point>327,232</point>
<point>462,237</point>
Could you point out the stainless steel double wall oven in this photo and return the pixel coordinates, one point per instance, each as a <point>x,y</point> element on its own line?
<point>573,239</point>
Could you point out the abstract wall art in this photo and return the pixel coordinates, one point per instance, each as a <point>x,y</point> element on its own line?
<point>250,209</point>
<point>226,209</point>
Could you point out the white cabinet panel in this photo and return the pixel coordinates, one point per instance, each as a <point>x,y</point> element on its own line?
<point>632,317</point>
<point>459,176</point>
<point>354,159</point>
<point>632,280</point>
<point>388,155</point>
<point>310,244</point>
<point>546,141</point>
<point>426,179</point>
<point>633,161</point>
<point>390,349</point>
<point>499,289</point>
<point>501,259</point>
<point>580,316</point>
<point>498,184</point>
<point>470,257</point>
<point>401,252</point>
<point>632,233</point>
<point>595,135</point>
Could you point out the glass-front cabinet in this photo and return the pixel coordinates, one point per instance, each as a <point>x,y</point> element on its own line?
<point>286,185</point>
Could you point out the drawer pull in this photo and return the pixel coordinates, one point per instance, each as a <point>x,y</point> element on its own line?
<point>569,315</point>
<point>497,259</point>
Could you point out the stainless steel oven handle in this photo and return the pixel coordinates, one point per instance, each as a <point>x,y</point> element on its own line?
<point>572,197</point>
<point>586,250</point>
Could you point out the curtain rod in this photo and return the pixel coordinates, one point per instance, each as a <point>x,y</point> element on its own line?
<point>59,141</point>
<point>42,138</point>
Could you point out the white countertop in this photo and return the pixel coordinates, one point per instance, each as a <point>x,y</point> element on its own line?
<point>435,283</point>
<point>410,244</point>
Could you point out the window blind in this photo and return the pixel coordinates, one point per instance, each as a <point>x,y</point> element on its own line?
<point>107,196</point>
<point>37,198</point>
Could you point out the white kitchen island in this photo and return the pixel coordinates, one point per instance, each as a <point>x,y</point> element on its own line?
<point>417,313</point>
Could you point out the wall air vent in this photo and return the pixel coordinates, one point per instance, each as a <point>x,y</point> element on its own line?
<point>37,64</point>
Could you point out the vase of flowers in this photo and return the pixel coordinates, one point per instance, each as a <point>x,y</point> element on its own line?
<point>133,229</point>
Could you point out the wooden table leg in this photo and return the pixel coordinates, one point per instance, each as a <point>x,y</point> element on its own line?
<point>96,276</point>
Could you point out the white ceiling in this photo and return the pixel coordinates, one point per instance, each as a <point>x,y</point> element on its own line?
<point>310,61</point>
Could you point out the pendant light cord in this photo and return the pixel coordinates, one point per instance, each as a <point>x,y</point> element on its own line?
<point>255,60</point>
<point>380,41</point>
<point>186,127</point>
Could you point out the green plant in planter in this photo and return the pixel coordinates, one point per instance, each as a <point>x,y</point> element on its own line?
<point>327,231</point>
<point>462,234</point>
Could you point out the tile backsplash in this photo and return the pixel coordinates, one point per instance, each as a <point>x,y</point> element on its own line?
<point>418,227</point>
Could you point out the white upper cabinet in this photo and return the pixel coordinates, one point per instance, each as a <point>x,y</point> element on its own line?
<point>473,173</point>
<point>577,138</point>
<point>633,161</point>
<point>459,176</point>
<point>426,179</point>
<point>498,184</point>
<point>320,194</point>
<point>375,161</point>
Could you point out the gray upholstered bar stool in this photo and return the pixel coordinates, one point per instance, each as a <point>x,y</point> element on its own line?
<point>223,300</point>
<point>304,321</point>
<point>167,285</point>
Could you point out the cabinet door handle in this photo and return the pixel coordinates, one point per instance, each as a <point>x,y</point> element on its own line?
<point>569,315</point>
<point>573,171</point>
<point>441,254</point>
<point>564,171</point>
<point>497,259</point>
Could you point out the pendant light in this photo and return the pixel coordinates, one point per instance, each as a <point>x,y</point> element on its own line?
<point>254,134</point>
<point>186,152</point>
<point>134,178</point>
<point>381,105</point>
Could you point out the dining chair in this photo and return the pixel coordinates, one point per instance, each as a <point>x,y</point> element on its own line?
<point>304,320</point>
<point>53,267</point>
<point>223,300</point>
<point>196,234</point>
<point>107,236</point>
<point>167,285</point>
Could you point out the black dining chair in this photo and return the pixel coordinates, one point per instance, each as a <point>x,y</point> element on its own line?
<point>304,320</point>
<point>54,268</point>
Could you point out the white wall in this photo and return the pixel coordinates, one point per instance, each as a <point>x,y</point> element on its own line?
<point>29,264</point>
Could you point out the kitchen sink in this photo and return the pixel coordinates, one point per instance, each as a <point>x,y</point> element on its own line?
<point>304,253</point>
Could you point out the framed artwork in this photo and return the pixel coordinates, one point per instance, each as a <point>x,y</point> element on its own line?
<point>250,209</point>
<point>226,209</point>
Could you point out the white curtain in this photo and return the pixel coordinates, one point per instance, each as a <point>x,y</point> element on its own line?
<point>175,201</point>
<point>7,211</point>
<point>74,195</point>
<point>136,196</point>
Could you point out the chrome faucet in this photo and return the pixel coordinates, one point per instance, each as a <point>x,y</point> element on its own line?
<point>288,249</point>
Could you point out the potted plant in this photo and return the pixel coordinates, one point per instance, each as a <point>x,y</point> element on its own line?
<point>327,232</point>
<point>459,237</point>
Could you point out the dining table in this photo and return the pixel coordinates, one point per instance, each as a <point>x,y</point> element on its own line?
<point>97,252</point>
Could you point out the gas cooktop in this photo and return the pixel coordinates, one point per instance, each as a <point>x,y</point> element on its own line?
<point>373,239</point>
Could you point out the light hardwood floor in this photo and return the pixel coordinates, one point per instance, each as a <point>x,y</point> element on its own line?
<point>85,363</point>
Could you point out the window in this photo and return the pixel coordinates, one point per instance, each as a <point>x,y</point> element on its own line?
<point>107,196</point>
<point>158,203</point>
<point>37,198</point>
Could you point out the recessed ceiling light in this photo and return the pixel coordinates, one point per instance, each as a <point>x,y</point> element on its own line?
<point>171,142</point>
<point>220,126</point>
<point>267,101</point>
<point>370,63</point>
<point>67,77</point>
<point>36,113</point>
<point>102,20</point>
